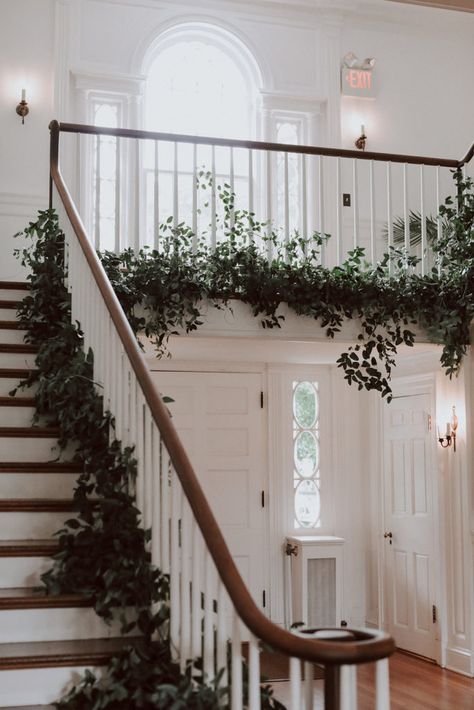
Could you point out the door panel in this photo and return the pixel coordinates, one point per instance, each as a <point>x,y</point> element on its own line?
<point>409,517</point>
<point>220,421</point>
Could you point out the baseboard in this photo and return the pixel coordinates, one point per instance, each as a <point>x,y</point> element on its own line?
<point>459,660</point>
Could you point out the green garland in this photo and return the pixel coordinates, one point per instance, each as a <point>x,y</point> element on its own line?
<point>103,551</point>
<point>386,300</point>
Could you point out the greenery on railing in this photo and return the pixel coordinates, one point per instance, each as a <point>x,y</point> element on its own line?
<point>162,290</point>
<point>103,552</point>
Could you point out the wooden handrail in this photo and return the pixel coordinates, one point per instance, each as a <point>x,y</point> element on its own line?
<point>261,145</point>
<point>364,646</point>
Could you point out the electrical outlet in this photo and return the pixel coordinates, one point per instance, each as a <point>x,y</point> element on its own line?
<point>346,199</point>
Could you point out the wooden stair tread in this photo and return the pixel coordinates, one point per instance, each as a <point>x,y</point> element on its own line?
<point>29,432</point>
<point>28,548</point>
<point>19,348</point>
<point>17,372</point>
<point>15,285</point>
<point>40,467</point>
<point>37,505</point>
<point>11,325</point>
<point>48,654</point>
<point>9,304</point>
<point>17,401</point>
<point>27,598</point>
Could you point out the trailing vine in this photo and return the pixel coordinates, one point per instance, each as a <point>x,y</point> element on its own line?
<point>162,290</point>
<point>103,552</point>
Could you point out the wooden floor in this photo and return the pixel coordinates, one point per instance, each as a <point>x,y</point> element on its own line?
<point>415,684</point>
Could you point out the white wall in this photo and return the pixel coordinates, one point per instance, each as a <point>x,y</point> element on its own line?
<point>26,61</point>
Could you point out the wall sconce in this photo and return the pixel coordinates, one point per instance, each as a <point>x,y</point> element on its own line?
<point>360,142</point>
<point>450,435</point>
<point>23,109</point>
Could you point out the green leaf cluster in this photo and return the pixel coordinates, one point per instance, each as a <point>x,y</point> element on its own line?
<point>162,290</point>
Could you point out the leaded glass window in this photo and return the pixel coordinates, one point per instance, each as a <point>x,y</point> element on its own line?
<point>306,468</point>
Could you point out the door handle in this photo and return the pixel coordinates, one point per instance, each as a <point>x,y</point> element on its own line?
<point>389,535</point>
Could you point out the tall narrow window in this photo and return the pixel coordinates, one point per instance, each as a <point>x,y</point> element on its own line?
<point>306,470</point>
<point>105,207</point>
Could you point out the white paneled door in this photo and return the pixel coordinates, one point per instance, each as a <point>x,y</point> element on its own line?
<point>220,420</point>
<point>409,525</point>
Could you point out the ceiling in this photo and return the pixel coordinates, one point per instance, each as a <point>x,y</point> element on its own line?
<point>462,5</point>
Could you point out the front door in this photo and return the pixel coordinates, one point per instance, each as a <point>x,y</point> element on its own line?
<point>220,421</point>
<point>409,528</point>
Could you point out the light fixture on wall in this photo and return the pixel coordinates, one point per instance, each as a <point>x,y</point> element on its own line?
<point>450,435</point>
<point>23,109</point>
<point>360,142</point>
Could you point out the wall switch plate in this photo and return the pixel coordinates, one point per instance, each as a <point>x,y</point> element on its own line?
<point>346,199</point>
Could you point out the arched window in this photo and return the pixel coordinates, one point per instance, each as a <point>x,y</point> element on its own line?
<point>201,80</point>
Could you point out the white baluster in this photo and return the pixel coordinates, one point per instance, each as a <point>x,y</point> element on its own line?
<point>295,684</point>
<point>222,636</point>
<point>156,198</point>
<point>196,611</point>
<point>321,226</point>
<point>232,185</point>
<point>139,453</point>
<point>195,200</point>
<point>185,645</point>
<point>117,196</point>
<point>389,211</point>
<point>348,681</point>
<point>157,495</point>
<point>254,674</point>
<point>250,158</point>
<point>439,226</point>
<point>269,201</point>
<point>236,702</point>
<point>423,221</point>
<point>382,685</point>
<point>97,193</point>
<point>165,509</point>
<point>304,197</point>
<point>355,189</point>
<point>286,197</point>
<point>213,199</point>
<point>147,469</point>
<point>175,187</point>
<point>208,618</point>
<point>338,213</point>
<point>406,215</point>
<point>372,212</point>
<point>308,687</point>
<point>136,221</point>
<point>175,605</point>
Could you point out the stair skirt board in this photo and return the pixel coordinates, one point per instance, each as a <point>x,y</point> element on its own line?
<point>38,685</point>
<point>22,572</point>
<point>23,625</point>
<point>31,526</point>
<point>39,485</point>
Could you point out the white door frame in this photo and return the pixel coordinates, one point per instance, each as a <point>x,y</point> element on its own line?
<point>406,386</point>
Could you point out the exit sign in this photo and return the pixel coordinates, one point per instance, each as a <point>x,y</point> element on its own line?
<point>357,82</point>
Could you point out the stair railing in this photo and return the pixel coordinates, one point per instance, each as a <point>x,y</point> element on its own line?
<point>210,605</point>
<point>130,182</point>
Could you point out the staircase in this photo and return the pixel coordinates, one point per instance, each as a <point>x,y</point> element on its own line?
<point>45,641</point>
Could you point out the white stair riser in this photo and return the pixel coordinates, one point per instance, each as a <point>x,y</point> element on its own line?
<point>8,313</point>
<point>23,571</point>
<point>28,449</point>
<point>8,335</point>
<point>16,416</point>
<point>17,360</point>
<point>38,686</point>
<point>31,526</point>
<point>26,625</point>
<point>7,384</point>
<point>11,294</point>
<point>37,485</point>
